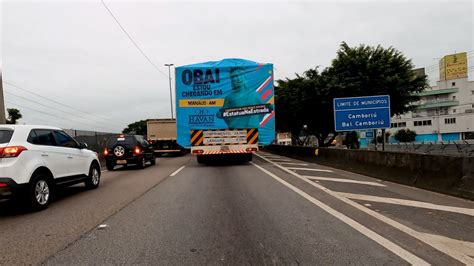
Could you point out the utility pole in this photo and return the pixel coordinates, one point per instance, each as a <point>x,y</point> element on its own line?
<point>171,94</point>
<point>2,102</point>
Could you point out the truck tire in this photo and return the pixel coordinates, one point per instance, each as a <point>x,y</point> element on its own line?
<point>248,157</point>
<point>200,159</point>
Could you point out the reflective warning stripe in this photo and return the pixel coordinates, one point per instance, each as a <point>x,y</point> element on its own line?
<point>197,137</point>
<point>225,152</point>
<point>252,136</point>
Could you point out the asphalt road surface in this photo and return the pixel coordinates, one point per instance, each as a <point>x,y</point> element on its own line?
<point>275,210</point>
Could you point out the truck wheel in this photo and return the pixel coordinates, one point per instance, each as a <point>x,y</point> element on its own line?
<point>200,159</point>
<point>248,157</point>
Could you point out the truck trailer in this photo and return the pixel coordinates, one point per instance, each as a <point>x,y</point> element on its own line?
<point>161,134</point>
<point>225,107</point>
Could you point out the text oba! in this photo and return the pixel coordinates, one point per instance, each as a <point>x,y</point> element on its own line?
<point>198,76</point>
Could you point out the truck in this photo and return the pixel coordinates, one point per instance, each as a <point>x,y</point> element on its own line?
<point>225,108</point>
<point>161,134</point>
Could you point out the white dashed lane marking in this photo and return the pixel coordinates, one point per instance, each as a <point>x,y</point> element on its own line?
<point>462,251</point>
<point>309,169</point>
<point>389,245</point>
<point>300,164</point>
<point>344,180</point>
<point>410,203</point>
<point>177,171</point>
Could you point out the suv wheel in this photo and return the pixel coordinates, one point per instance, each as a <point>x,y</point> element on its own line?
<point>40,192</point>
<point>153,160</point>
<point>142,163</point>
<point>109,166</point>
<point>93,180</point>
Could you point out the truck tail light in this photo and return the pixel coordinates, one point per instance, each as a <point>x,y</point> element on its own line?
<point>251,149</point>
<point>197,152</point>
<point>11,151</point>
<point>137,150</point>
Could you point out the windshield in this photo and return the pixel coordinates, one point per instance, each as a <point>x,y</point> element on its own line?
<point>121,140</point>
<point>5,135</point>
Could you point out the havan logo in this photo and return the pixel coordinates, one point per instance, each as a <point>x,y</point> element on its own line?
<point>201,120</point>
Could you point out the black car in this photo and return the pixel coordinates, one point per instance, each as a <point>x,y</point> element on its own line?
<point>128,149</point>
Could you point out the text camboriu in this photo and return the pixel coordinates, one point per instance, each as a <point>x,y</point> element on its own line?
<point>363,123</point>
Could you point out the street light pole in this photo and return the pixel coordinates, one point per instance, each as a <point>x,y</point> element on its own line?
<point>171,94</point>
<point>2,102</point>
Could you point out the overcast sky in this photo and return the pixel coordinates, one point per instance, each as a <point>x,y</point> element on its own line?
<point>75,54</point>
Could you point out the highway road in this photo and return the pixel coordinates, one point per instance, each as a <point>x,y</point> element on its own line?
<point>275,210</point>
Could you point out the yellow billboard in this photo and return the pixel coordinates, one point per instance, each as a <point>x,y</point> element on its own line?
<point>442,69</point>
<point>453,66</point>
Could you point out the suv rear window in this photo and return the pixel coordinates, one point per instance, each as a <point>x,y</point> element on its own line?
<point>5,135</point>
<point>124,140</point>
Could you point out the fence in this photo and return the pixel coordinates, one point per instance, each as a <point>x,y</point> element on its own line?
<point>459,148</point>
<point>94,140</point>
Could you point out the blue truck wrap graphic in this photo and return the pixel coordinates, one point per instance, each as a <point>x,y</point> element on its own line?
<point>226,94</point>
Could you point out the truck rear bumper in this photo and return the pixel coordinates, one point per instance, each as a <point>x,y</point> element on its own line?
<point>224,149</point>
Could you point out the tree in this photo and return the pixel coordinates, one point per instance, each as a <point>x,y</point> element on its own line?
<point>13,115</point>
<point>405,135</point>
<point>356,71</point>
<point>138,128</point>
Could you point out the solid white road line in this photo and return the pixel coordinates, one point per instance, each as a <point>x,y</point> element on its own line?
<point>309,169</point>
<point>177,171</point>
<point>411,203</point>
<point>459,250</point>
<point>342,180</point>
<point>300,164</point>
<point>389,245</point>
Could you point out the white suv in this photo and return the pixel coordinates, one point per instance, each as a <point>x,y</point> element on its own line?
<point>34,160</point>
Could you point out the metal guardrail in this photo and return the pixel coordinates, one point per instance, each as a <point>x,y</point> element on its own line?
<point>459,148</point>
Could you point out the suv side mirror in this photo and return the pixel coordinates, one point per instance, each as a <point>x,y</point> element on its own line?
<point>83,145</point>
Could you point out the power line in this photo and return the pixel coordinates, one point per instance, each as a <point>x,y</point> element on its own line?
<point>57,109</point>
<point>36,110</point>
<point>131,39</point>
<point>62,104</point>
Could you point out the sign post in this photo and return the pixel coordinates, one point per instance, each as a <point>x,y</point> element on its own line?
<point>362,113</point>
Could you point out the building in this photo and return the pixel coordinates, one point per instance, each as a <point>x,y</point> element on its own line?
<point>445,112</point>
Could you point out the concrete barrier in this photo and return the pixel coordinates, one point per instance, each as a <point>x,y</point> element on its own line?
<point>453,175</point>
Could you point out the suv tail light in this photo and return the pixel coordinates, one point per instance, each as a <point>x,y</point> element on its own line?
<point>106,152</point>
<point>137,150</point>
<point>11,151</point>
<point>3,185</point>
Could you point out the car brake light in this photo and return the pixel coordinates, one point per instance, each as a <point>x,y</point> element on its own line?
<point>137,150</point>
<point>12,151</point>
<point>3,185</point>
<point>106,152</point>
